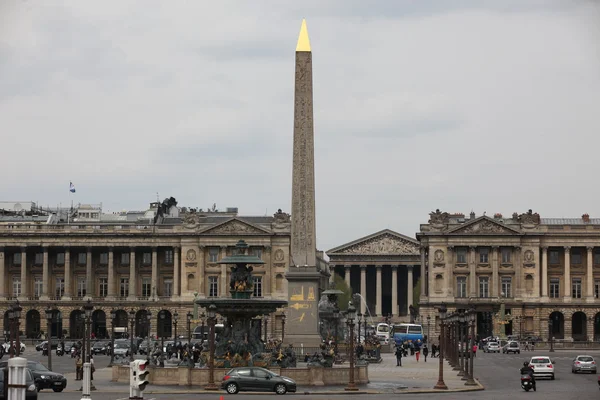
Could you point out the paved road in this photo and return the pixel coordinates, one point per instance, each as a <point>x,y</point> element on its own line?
<point>498,372</point>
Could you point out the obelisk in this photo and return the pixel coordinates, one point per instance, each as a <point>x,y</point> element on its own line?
<point>303,275</point>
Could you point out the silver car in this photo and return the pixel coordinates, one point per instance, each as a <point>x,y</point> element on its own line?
<point>491,347</point>
<point>583,363</point>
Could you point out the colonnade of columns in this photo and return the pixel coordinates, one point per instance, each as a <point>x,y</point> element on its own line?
<point>379,285</point>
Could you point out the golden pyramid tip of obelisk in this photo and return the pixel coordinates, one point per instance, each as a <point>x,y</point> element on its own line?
<point>303,40</point>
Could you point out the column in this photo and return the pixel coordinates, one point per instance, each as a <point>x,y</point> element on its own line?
<point>45,274</point>
<point>132,277</point>
<point>347,275</point>
<point>409,291</point>
<point>363,289</point>
<point>154,273</point>
<point>2,273</point>
<point>449,275</point>
<point>395,312</point>
<point>24,287</point>
<point>268,280</point>
<point>224,292</point>
<point>176,272</point>
<point>89,280</point>
<point>545,272</point>
<point>472,273</point>
<point>519,271</point>
<point>67,292</point>
<point>201,271</point>
<point>378,296</point>
<point>423,273</point>
<point>590,273</point>
<point>567,274</point>
<point>111,274</point>
<point>495,282</point>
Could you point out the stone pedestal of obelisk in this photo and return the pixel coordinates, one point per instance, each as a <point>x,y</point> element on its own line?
<point>302,325</point>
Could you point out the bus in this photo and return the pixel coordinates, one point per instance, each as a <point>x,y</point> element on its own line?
<point>383,332</point>
<point>404,332</point>
<point>203,335</point>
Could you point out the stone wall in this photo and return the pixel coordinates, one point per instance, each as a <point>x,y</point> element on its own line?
<point>184,376</point>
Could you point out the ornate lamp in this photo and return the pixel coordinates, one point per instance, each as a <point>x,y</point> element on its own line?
<point>49,314</point>
<point>175,319</point>
<point>88,308</point>
<point>148,321</point>
<point>188,318</point>
<point>350,316</point>
<point>131,323</point>
<point>441,385</point>
<point>212,315</point>
<point>113,317</point>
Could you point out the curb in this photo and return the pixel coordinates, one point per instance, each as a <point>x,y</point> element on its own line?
<point>479,387</point>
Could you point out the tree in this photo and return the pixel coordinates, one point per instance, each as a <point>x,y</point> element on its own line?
<point>343,299</point>
<point>417,294</point>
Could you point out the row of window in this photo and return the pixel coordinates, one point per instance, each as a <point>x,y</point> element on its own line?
<point>213,256</point>
<point>554,256</point>
<point>213,287</point>
<point>506,287</point>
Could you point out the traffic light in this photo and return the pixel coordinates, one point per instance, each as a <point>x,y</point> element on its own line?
<point>138,374</point>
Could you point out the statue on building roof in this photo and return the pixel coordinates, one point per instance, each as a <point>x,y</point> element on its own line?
<point>530,218</point>
<point>280,216</point>
<point>438,217</point>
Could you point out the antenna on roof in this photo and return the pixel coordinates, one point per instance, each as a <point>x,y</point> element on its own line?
<point>157,198</point>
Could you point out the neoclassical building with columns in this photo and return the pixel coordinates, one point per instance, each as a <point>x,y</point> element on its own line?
<point>156,260</point>
<point>383,268</point>
<point>544,271</point>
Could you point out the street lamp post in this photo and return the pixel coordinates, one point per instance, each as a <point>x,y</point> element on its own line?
<point>17,315</point>
<point>472,317</point>
<point>162,316</point>
<point>188,317</point>
<point>428,320</point>
<point>350,315</point>
<point>440,383</point>
<point>359,321</point>
<point>11,330</point>
<point>551,334</point>
<point>148,320</point>
<point>88,308</point>
<point>266,321</point>
<point>113,318</point>
<point>212,316</point>
<point>175,320</point>
<point>282,325</point>
<point>49,313</point>
<point>202,319</point>
<point>131,324</point>
<point>462,347</point>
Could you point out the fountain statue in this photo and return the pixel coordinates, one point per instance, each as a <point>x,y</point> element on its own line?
<point>240,343</point>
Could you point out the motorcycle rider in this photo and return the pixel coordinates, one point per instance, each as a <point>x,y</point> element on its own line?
<point>527,370</point>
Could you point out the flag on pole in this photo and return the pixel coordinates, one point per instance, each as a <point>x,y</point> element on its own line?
<point>71,187</point>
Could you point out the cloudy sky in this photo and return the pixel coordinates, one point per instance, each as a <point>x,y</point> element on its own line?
<point>459,105</point>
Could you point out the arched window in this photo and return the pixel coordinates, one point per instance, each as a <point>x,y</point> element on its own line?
<point>190,282</point>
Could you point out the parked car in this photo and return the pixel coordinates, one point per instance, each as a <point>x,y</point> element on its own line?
<point>100,347</point>
<point>6,346</point>
<point>40,346</point>
<point>533,339</point>
<point>542,366</point>
<point>31,392</point>
<point>584,363</point>
<point>143,347</point>
<point>256,379</point>
<point>43,377</point>
<point>511,347</point>
<point>122,350</point>
<point>491,347</point>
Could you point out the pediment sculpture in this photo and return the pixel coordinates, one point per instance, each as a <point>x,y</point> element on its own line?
<point>437,217</point>
<point>484,226</point>
<point>191,219</point>
<point>282,217</point>
<point>386,244</point>
<point>530,218</point>
<point>234,227</point>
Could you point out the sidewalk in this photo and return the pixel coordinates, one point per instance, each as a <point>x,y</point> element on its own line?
<point>385,377</point>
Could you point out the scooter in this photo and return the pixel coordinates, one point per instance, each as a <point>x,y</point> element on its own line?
<point>73,352</point>
<point>526,383</point>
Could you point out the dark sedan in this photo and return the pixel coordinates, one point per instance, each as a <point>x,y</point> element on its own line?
<point>43,377</point>
<point>100,347</point>
<point>256,379</point>
<point>31,390</point>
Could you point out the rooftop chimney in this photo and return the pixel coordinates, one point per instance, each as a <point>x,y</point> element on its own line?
<point>586,218</point>
<point>472,214</point>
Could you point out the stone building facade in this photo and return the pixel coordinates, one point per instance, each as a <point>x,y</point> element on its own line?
<point>383,267</point>
<point>544,272</point>
<point>155,264</point>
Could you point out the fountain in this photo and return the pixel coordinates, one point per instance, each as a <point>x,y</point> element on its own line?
<point>240,344</point>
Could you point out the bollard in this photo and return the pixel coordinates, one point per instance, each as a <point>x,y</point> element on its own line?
<point>87,375</point>
<point>17,383</point>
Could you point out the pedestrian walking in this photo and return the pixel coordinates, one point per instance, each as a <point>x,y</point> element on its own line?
<point>425,353</point>
<point>433,350</point>
<point>532,346</point>
<point>417,349</point>
<point>92,368</point>
<point>399,353</point>
<point>78,369</point>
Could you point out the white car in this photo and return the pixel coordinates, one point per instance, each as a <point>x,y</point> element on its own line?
<point>543,367</point>
<point>6,347</point>
<point>491,347</point>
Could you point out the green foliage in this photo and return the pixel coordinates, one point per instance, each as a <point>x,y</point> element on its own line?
<point>343,299</point>
<point>417,294</point>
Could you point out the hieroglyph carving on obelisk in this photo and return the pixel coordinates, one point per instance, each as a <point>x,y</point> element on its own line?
<point>303,175</point>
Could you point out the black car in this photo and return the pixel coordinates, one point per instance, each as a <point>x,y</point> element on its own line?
<point>40,346</point>
<point>256,379</point>
<point>43,377</point>
<point>31,390</point>
<point>100,347</point>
